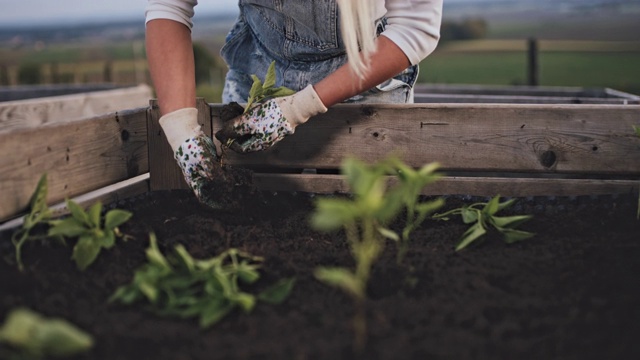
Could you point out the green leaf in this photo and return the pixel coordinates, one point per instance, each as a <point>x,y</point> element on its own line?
<point>637,129</point>
<point>247,273</point>
<point>246,301</point>
<point>513,235</point>
<point>469,215</point>
<point>332,214</point>
<point>492,206</point>
<point>215,312</point>
<point>69,227</point>
<point>38,201</point>
<point>115,218</point>
<point>108,240</point>
<point>154,256</point>
<point>278,92</point>
<point>472,234</point>
<point>388,233</point>
<point>39,336</point>
<point>185,258</point>
<point>85,252</point>
<point>509,221</point>
<point>278,292</point>
<point>94,213</point>
<point>270,77</point>
<point>341,278</point>
<point>78,213</point>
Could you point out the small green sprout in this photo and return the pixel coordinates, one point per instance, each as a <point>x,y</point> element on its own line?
<point>39,214</point>
<point>481,215</point>
<point>365,219</point>
<point>179,285</point>
<point>93,232</point>
<point>32,336</point>
<point>264,91</point>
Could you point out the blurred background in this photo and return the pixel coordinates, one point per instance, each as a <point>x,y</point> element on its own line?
<point>573,43</point>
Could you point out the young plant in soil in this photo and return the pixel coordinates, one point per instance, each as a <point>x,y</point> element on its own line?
<point>38,217</point>
<point>364,219</point>
<point>92,230</point>
<point>179,285</point>
<point>483,215</point>
<point>29,335</point>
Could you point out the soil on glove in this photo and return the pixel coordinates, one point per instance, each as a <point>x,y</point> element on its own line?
<point>571,292</point>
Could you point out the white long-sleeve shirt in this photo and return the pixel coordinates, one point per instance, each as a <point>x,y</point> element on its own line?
<point>413,25</point>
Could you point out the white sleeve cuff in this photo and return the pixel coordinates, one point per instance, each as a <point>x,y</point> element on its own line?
<point>181,11</point>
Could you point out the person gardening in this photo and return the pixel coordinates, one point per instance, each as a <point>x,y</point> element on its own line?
<point>327,51</point>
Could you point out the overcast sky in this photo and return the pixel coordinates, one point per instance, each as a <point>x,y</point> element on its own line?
<point>30,12</point>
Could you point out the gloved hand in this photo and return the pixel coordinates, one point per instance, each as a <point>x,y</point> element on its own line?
<point>193,150</point>
<point>264,125</point>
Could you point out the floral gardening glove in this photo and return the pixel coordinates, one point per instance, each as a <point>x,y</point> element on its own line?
<point>193,150</point>
<point>264,125</point>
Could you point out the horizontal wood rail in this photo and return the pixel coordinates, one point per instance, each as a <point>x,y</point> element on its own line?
<point>507,149</point>
<point>78,157</point>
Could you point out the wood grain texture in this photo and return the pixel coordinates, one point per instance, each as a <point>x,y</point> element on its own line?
<point>568,139</point>
<point>78,157</point>
<point>32,113</point>
<point>448,185</point>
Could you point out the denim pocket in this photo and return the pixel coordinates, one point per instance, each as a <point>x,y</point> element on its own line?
<point>294,29</point>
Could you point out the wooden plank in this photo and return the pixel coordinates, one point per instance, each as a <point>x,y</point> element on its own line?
<point>517,99</point>
<point>165,172</point>
<point>535,91</point>
<point>78,157</point>
<point>24,114</point>
<point>107,195</point>
<point>453,185</point>
<point>570,139</point>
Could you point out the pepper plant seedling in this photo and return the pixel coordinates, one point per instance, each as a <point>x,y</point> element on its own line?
<point>261,91</point>
<point>179,285</point>
<point>93,232</point>
<point>39,214</point>
<point>364,219</point>
<point>482,215</point>
<point>32,336</point>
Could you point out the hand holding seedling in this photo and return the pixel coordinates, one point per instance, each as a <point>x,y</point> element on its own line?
<point>263,125</point>
<point>193,150</point>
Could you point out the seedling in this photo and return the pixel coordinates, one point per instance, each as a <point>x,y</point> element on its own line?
<point>179,285</point>
<point>482,215</point>
<point>264,91</point>
<point>39,214</point>
<point>92,231</point>
<point>364,219</point>
<point>31,336</point>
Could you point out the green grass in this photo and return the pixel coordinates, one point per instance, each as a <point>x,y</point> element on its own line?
<point>619,70</point>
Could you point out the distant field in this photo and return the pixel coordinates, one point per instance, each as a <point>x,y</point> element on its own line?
<point>562,63</point>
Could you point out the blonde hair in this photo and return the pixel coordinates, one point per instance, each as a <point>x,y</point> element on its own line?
<point>358,32</point>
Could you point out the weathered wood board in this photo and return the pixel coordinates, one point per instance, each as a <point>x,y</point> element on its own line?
<point>31,113</point>
<point>78,157</point>
<point>586,149</point>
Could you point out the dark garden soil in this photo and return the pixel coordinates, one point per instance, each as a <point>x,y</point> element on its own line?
<point>571,292</point>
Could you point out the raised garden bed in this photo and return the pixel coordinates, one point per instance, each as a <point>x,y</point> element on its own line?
<point>567,293</point>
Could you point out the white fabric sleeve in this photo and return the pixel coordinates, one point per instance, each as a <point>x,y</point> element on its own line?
<point>414,25</point>
<point>176,10</point>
